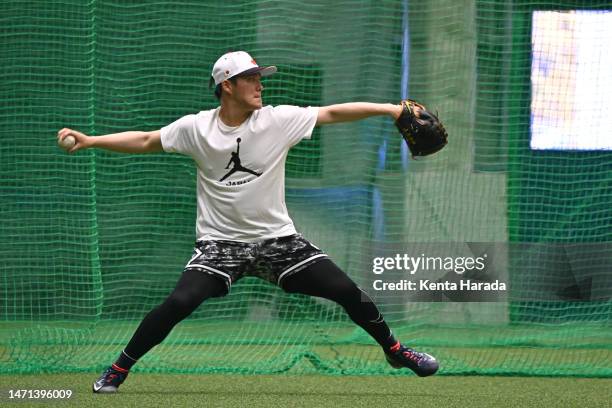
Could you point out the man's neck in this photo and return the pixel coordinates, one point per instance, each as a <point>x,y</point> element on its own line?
<point>232,115</point>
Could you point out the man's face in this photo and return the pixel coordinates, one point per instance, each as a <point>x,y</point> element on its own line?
<point>247,91</point>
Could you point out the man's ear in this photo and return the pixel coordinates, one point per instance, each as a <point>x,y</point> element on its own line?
<point>227,87</point>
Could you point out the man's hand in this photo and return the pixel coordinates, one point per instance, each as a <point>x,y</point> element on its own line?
<point>82,141</point>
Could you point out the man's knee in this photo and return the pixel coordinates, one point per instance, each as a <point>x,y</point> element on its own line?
<point>182,302</point>
<point>347,291</point>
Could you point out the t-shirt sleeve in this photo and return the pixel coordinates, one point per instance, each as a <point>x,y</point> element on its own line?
<point>179,136</point>
<point>295,122</point>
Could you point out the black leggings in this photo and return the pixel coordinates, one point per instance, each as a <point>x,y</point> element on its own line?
<point>322,279</point>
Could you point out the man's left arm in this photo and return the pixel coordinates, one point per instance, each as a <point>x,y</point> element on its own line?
<point>348,112</point>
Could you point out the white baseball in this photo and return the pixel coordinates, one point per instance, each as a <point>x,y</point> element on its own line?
<point>67,143</point>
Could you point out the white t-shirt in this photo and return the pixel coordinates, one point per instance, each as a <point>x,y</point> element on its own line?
<point>241,170</point>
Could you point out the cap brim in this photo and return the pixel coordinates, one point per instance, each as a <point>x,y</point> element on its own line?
<point>264,71</point>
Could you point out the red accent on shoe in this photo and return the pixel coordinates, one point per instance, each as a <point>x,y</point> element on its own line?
<point>411,356</point>
<point>121,370</point>
<point>395,347</point>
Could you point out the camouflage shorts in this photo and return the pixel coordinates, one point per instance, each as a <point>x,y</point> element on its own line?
<point>272,260</point>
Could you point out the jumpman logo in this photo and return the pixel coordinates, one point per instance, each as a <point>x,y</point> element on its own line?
<point>237,166</point>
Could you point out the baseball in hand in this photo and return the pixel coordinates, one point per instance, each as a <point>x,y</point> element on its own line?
<point>67,143</point>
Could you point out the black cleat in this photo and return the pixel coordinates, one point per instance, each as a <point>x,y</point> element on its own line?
<point>421,363</point>
<point>110,380</point>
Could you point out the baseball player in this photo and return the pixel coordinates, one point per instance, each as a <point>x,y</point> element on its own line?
<point>240,150</point>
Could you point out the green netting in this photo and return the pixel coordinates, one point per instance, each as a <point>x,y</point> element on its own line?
<point>89,243</point>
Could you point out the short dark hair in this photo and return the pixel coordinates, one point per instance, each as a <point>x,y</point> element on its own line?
<point>219,88</point>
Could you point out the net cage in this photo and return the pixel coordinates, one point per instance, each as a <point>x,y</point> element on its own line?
<point>90,242</point>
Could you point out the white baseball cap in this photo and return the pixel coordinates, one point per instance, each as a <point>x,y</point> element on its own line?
<point>237,63</point>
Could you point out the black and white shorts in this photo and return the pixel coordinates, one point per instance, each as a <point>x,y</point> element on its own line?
<point>272,259</point>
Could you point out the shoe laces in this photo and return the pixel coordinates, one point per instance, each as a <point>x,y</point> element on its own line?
<point>111,374</point>
<point>411,354</point>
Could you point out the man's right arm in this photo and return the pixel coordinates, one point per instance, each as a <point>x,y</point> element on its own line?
<point>125,142</point>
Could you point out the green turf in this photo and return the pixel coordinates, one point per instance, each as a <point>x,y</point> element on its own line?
<point>163,390</point>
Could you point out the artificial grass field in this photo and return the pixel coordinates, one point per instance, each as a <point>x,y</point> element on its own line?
<point>174,390</point>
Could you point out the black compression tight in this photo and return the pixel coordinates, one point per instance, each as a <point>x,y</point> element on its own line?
<point>322,279</point>
<point>192,289</point>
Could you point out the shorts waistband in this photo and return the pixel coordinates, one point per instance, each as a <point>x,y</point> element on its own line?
<point>245,243</point>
